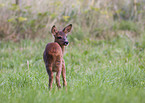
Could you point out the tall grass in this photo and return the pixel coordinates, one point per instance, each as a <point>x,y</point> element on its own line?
<point>97,71</point>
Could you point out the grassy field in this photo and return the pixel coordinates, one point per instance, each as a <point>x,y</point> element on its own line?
<point>97,72</point>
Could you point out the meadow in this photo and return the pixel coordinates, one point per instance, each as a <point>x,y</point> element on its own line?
<point>97,71</point>
<point>105,60</point>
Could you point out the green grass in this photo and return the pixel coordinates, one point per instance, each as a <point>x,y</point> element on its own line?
<point>97,72</point>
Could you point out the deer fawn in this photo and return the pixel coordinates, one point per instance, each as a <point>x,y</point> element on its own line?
<point>53,55</point>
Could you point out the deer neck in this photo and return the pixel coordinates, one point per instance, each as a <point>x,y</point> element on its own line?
<point>63,48</point>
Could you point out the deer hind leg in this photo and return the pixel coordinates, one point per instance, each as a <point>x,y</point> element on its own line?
<point>50,74</point>
<point>64,74</point>
<point>58,79</point>
<point>58,73</point>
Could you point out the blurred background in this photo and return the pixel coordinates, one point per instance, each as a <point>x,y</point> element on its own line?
<point>96,19</point>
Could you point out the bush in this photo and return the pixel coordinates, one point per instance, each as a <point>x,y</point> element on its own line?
<point>126,25</point>
<point>94,17</point>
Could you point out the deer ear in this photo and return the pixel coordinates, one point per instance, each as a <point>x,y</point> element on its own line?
<point>54,30</point>
<point>67,29</point>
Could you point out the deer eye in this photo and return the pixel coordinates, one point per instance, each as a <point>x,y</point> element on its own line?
<point>59,37</point>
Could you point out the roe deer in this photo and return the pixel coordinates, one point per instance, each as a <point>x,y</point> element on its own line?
<point>53,55</point>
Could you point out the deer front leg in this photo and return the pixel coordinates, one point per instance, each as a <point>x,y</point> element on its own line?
<point>50,74</point>
<point>64,74</point>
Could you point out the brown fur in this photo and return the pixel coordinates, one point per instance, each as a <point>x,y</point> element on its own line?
<point>53,56</point>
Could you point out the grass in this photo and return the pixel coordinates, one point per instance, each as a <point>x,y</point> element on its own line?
<point>97,72</point>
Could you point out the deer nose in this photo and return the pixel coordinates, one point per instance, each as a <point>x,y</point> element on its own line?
<point>66,43</point>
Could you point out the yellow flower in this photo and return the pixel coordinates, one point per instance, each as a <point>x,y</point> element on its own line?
<point>66,18</point>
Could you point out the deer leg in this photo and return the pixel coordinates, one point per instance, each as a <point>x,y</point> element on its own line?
<point>58,73</point>
<point>50,74</point>
<point>58,79</point>
<point>64,74</point>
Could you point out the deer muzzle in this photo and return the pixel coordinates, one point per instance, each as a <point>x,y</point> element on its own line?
<point>66,43</point>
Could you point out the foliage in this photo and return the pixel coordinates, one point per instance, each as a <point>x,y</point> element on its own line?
<point>126,25</point>
<point>32,19</point>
